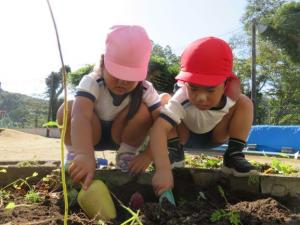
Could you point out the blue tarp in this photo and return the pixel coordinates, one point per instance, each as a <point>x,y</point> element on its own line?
<point>273,138</point>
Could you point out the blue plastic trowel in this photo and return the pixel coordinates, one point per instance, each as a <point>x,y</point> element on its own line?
<point>168,194</point>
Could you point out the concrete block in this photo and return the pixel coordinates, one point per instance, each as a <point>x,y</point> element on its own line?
<point>22,169</point>
<point>280,185</point>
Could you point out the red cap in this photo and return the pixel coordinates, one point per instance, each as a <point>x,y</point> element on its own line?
<point>206,62</point>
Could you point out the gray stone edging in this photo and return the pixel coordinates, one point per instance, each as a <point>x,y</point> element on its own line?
<point>263,184</point>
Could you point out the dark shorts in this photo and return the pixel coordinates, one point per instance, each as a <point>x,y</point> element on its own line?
<point>201,141</point>
<point>106,142</point>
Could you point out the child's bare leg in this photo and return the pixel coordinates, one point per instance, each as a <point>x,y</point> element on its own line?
<point>96,126</point>
<point>135,130</point>
<point>236,126</point>
<point>130,134</point>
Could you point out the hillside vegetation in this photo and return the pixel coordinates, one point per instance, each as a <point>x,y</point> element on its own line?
<point>22,110</point>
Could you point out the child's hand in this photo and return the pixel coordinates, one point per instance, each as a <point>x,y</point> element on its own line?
<point>139,164</point>
<point>83,167</point>
<point>162,180</point>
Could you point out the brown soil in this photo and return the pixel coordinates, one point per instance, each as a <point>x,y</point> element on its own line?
<point>190,209</point>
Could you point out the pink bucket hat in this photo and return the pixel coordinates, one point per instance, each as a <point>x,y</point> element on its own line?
<point>127,52</point>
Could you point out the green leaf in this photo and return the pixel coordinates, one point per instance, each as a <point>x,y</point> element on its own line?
<point>10,205</point>
<point>35,174</point>
<point>3,171</point>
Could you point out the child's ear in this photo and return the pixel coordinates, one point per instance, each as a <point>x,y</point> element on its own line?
<point>233,88</point>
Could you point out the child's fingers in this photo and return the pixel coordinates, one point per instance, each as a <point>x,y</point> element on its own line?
<point>78,176</point>
<point>88,180</point>
<point>71,167</point>
<point>74,172</point>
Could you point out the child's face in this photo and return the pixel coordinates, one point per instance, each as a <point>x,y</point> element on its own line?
<point>205,98</point>
<point>117,86</point>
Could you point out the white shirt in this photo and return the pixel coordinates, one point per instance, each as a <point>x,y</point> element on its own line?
<point>93,87</point>
<point>179,109</point>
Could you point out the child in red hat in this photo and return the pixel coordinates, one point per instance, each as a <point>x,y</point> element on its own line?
<point>114,106</point>
<point>206,111</point>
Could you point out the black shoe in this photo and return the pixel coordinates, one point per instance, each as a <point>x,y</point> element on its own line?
<point>236,164</point>
<point>176,153</point>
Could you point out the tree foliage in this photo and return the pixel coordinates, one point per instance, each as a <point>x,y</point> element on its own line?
<point>162,69</point>
<point>54,89</point>
<point>258,9</point>
<point>284,29</point>
<point>75,76</point>
<point>278,79</point>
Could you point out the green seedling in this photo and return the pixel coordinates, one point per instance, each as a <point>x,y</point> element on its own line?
<point>134,216</point>
<point>282,168</point>
<point>220,214</point>
<point>203,161</point>
<point>28,163</point>
<point>201,196</point>
<point>222,193</point>
<point>33,196</point>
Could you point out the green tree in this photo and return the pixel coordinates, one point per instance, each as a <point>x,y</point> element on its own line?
<point>258,9</point>
<point>284,29</point>
<point>75,76</point>
<point>163,67</point>
<point>278,81</point>
<point>54,89</point>
<point>277,69</point>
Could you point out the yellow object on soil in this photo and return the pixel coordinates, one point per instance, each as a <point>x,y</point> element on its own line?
<point>96,201</point>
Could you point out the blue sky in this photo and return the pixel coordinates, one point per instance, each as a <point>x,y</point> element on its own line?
<point>28,49</point>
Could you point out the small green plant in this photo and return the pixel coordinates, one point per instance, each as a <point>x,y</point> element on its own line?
<point>281,167</point>
<point>33,196</point>
<point>134,216</point>
<point>28,163</point>
<point>203,161</point>
<point>3,171</point>
<point>201,196</point>
<point>222,193</point>
<point>220,214</point>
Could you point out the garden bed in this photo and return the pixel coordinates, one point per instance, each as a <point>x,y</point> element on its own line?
<point>203,196</point>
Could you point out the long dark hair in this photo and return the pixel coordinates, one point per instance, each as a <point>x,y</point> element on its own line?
<point>136,101</point>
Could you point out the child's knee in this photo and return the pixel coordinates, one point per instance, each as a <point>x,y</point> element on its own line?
<point>60,112</point>
<point>143,114</point>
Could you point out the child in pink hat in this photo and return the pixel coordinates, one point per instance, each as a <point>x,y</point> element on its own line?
<point>206,111</point>
<point>114,106</point>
